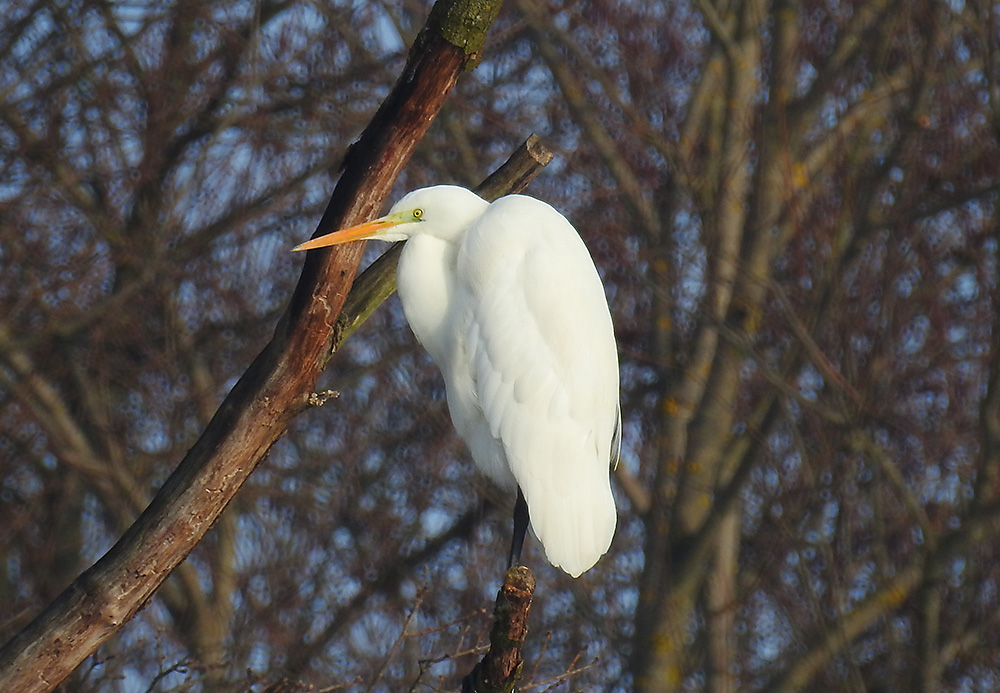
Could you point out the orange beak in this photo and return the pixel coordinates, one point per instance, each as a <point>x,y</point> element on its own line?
<point>361,232</point>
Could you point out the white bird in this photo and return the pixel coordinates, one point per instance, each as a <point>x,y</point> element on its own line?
<point>506,299</point>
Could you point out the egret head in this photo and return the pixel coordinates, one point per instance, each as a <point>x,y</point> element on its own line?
<point>444,211</point>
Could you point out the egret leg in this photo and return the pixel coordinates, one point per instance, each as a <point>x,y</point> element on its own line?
<point>520,529</point>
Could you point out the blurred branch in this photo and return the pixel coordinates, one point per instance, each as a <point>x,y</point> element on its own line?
<point>179,253</point>
<point>38,395</point>
<point>886,599</point>
<point>866,26</point>
<point>387,580</point>
<point>721,28</point>
<point>781,380</point>
<point>845,629</point>
<point>571,84</point>
<point>545,29</point>
<point>500,669</point>
<point>636,492</point>
<point>985,487</point>
<point>272,390</point>
<point>403,634</point>
<point>813,351</point>
<point>862,443</point>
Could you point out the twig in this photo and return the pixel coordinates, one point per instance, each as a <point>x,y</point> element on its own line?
<point>402,634</point>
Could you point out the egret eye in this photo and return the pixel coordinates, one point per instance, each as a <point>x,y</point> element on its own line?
<point>417,213</point>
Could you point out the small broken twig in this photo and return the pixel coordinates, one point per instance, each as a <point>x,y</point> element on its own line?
<point>318,399</point>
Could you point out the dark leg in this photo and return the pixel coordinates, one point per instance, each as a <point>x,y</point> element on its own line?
<point>520,528</point>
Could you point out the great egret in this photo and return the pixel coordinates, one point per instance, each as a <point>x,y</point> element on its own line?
<point>506,299</point>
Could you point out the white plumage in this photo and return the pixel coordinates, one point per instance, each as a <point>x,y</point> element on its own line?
<point>506,299</point>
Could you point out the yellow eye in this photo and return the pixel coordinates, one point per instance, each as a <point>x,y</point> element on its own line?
<point>417,213</point>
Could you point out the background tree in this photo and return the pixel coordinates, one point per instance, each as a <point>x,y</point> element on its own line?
<point>795,209</point>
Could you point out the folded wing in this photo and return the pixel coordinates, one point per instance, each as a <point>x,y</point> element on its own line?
<point>541,352</point>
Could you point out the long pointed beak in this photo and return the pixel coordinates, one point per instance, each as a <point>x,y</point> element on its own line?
<point>360,232</point>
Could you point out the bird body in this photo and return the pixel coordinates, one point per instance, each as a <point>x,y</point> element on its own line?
<point>506,300</point>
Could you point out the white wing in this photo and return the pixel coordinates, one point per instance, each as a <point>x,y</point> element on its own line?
<point>540,350</point>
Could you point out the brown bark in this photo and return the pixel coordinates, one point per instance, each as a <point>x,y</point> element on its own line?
<point>272,390</point>
<point>501,667</point>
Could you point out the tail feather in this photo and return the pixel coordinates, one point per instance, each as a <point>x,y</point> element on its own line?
<point>575,529</point>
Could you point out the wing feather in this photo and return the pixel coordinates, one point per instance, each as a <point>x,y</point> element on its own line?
<point>541,352</point>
